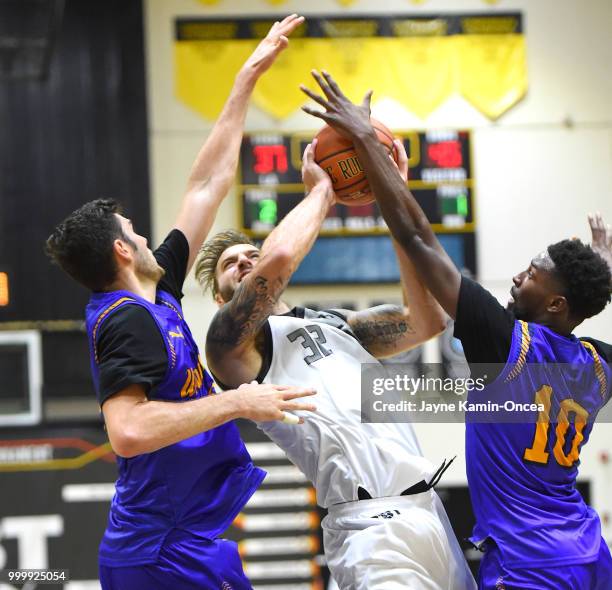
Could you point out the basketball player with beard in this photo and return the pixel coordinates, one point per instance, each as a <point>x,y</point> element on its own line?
<point>184,472</point>
<point>386,528</point>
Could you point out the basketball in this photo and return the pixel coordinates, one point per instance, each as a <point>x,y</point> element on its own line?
<point>337,156</point>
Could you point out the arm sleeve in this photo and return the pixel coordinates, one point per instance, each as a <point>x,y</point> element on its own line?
<point>172,256</point>
<point>130,351</point>
<point>482,324</point>
<point>603,348</point>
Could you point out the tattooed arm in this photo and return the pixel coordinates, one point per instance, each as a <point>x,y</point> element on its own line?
<point>232,344</point>
<point>382,329</point>
<point>387,330</point>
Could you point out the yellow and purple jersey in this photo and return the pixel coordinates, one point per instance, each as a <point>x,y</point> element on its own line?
<point>197,485</point>
<point>522,462</point>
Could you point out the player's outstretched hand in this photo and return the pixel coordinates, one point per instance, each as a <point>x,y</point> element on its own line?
<point>340,113</point>
<point>312,173</point>
<point>266,402</point>
<point>601,237</point>
<point>272,44</point>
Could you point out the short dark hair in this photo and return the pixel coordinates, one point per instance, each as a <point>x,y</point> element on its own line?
<point>210,253</point>
<point>584,275</point>
<point>82,244</point>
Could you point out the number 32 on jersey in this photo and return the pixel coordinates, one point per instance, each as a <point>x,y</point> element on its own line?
<point>312,340</point>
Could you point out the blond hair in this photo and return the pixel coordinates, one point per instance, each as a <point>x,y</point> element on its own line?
<point>210,252</point>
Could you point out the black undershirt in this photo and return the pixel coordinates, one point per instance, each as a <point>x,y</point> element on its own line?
<point>130,347</point>
<point>485,327</point>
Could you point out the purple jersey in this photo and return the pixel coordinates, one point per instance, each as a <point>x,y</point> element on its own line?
<point>197,485</point>
<point>522,473</point>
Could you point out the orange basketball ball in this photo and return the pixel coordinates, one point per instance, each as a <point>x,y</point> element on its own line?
<point>337,156</point>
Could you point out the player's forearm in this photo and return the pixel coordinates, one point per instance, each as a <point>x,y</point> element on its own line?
<point>239,321</point>
<point>401,212</point>
<point>214,169</point>
<point>387,330</point>
<point>408,223</point>
<point>152,425</point>
<point>427,317</point>
<point>299,229</point>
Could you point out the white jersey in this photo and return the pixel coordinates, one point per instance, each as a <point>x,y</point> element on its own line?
<point>333,448</point>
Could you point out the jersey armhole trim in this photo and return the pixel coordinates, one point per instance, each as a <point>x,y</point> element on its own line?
<point>101,317</point>
<point>523,350</point>
<point>599,370</point>
<point>337,314</point>
<point>268,352</point>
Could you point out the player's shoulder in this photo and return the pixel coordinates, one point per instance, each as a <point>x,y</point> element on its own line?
<point>129,319</point>
<point>174,243</point>
<point>603,349</point>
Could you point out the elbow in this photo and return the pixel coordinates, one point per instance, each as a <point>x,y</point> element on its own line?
<point>432,320</point>
<point>281,257</point>
<point>437,322</point>
<point>126,443</point>
<point>440,326</point>
<point>283,254</point>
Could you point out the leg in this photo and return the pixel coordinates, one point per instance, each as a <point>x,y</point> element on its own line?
<point>183,565</point>
<point>459,570</point>
<point>602,569</point>
<point>491,572</point>
<point>494,575</point>
<point>408,550</point>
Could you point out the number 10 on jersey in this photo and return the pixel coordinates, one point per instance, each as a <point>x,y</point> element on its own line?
<point>537,452</point>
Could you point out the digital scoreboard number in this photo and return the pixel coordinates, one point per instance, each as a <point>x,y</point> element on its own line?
<point>440,177</point>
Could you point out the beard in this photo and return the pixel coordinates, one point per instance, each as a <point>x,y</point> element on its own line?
<point>226,293</point>
<point>146,266</point>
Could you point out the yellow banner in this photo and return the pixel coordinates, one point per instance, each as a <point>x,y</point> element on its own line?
<point>418,63</point>
<point>424,77</point>
<point>492,71</point>
<point>205,72</point>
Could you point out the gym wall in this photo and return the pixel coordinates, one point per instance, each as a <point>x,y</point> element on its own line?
<point>539,169</point>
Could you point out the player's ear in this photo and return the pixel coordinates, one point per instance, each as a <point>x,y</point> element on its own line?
<point>219,300</point>
<point>122,251</point>
<point>557,304</point>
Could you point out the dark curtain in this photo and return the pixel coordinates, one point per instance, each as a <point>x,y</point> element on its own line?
<point>77,135</point>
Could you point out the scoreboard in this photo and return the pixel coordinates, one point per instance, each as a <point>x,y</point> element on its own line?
<point>440,178</point>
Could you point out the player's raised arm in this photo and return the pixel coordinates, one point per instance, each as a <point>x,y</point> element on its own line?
<point>231,340</point>
<point>214,169</point>
<point>387,330</point>
<point>405,218</point>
